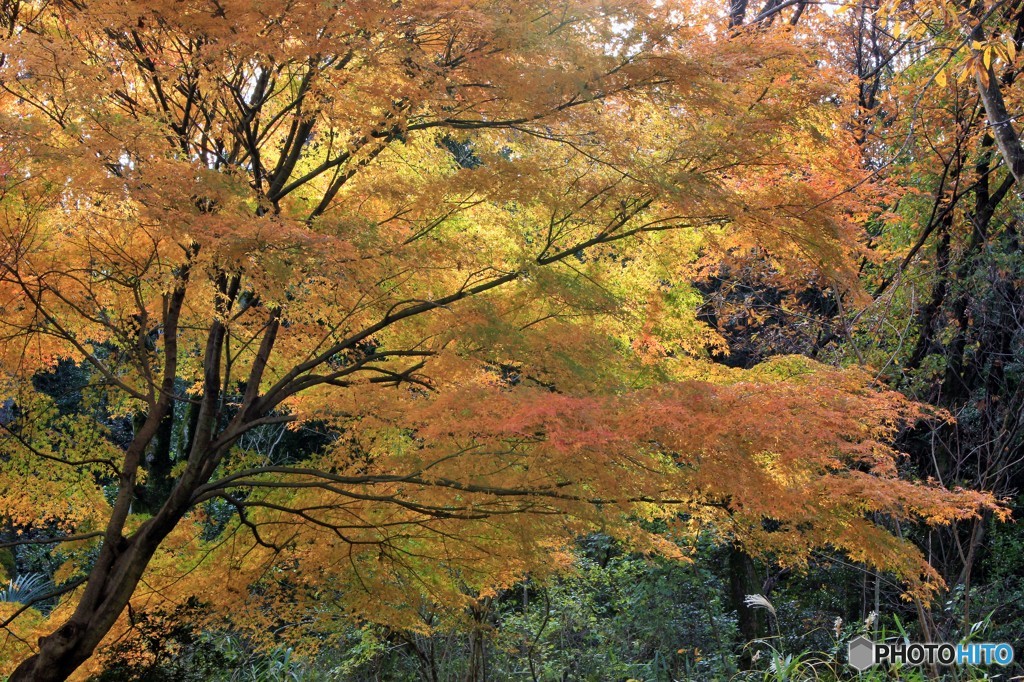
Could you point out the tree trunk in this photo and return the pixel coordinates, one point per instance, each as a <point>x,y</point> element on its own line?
<point>743,581</point>
<point>999,119</point>
<point>111,584</point>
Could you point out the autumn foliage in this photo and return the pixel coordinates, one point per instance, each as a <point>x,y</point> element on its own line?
<point>459,239</point>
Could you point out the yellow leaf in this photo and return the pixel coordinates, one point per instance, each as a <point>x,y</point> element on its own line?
<point>981,73</point>
<point>940,77</point>
<point>986,57</point>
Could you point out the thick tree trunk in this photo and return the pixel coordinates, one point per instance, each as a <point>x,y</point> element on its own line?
<point>743,581</point>
<point>112,582</point>
<point>122,561</point>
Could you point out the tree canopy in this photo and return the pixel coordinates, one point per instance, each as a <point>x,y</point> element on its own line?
<point>443,252</point>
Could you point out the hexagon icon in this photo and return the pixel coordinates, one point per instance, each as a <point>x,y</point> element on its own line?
<point>861,653</point>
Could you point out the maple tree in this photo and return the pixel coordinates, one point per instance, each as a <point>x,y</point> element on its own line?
<point>459,237</point>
